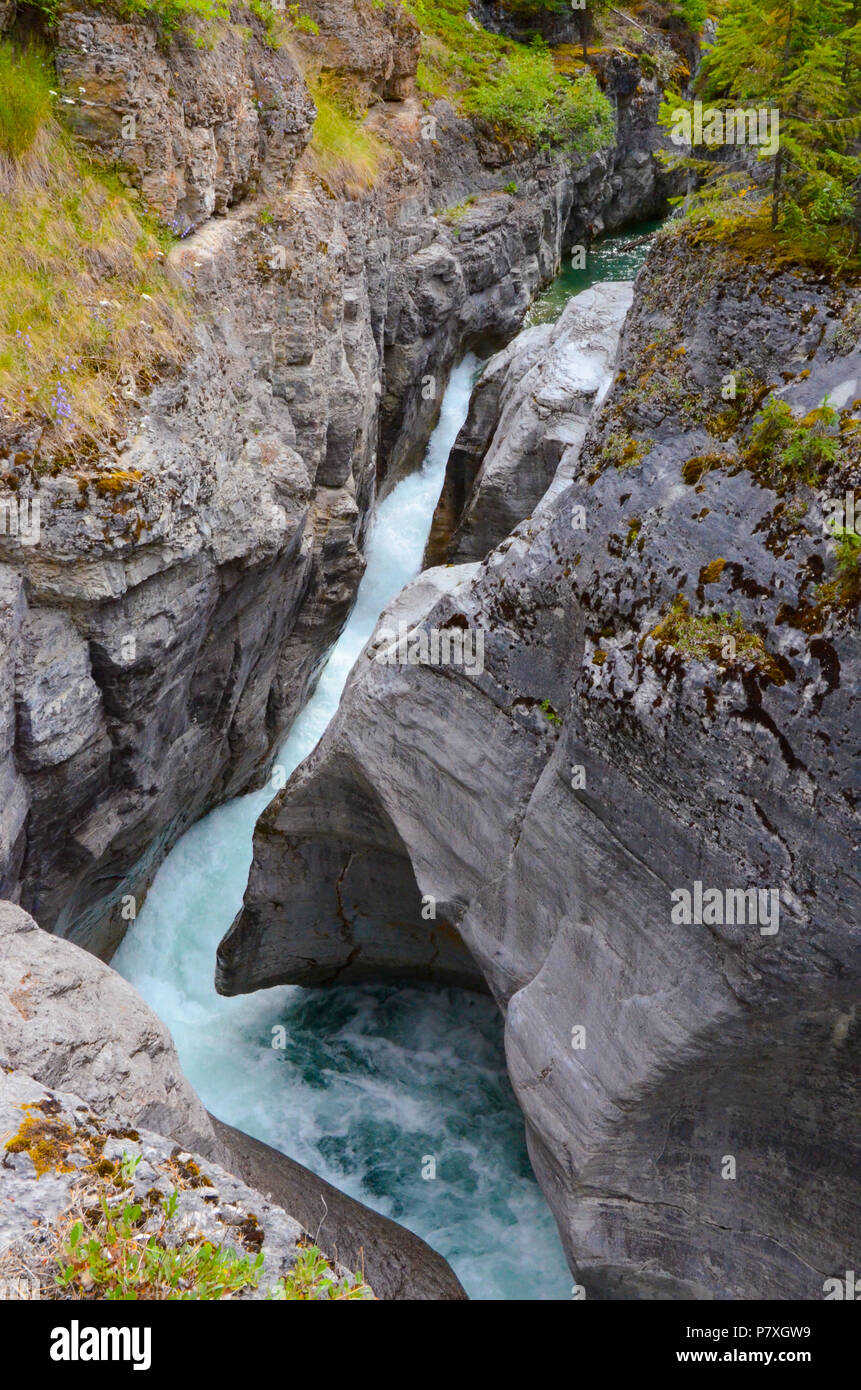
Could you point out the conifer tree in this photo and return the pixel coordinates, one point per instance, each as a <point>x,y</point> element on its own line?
<point>800,57</point>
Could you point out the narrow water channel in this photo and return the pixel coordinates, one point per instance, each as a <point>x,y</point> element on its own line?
<point>373,1079</point>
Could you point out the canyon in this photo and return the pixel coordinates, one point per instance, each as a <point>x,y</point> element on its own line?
<point>665,702</point>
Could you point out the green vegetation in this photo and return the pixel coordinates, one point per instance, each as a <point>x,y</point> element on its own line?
<point>348,157</point>
<point>718,637</point>
<point>528,99</point>
<point>105,1257</point>
<point>790,450</point>
<point>87,314</point>
<point>693,12</point>
<point>844,591</point>
<point>513,86</point>
<point>549,713</point>
<point>200,20</point>
<point>277,22</point>
<point>453,216</point>
<point>116,1242</point>
<point>802,60</point>
<point>313,1277</point>
<point>111,1251</point>
<point>622,450</point>
<point>25,99</point>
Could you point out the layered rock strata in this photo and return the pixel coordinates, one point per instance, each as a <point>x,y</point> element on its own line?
<point>667,708</point>
<point>187,582</point>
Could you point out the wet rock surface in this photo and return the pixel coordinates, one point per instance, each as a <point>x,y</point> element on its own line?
<point>615,751</point>
<point>70,1024</point>
<point>168,626</point>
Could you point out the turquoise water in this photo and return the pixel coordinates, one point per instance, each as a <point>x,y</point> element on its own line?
<point>613,258</point>
<point>374,1080</point>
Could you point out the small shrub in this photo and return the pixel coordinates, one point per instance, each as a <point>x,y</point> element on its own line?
<point>844,591</point>
<point>622,450</point>
<point>788,450</point>
<point>717,637</point>
<point>530,100</point>
<point>517,87</point>
<point>312,1277</point>
<point>104,1257</point>
<point>693,12</point>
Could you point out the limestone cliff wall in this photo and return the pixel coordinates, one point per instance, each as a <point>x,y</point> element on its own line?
<point>188,580</point>
<point>690,1086</point>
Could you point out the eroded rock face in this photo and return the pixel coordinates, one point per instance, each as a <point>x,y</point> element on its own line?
<point>193,127</point>
<point>612,753</point>
<point>70,1024</point>
<point>356,912</point>
<point>172,617</point>
<point>527,421</point>
<point>376,45</point>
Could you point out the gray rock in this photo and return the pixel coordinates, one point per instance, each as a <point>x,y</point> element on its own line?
<point>76,1025</point>
<point>188,581</point>
<point>528,414</point>
<point>50,1140</point>
<point>193,127</point>
<point>699,1137</point>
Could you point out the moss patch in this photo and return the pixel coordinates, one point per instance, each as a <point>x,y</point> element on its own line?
<point>717,637</point>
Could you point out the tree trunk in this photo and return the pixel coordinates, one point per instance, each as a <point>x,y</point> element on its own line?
<point>776,188</point>
<point>777,184</point>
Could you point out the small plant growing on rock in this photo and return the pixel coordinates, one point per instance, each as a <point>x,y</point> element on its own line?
<point>790,450</point>
<point>312,1277</point>
<point>622,450</point>
<point>549,713</point>
<point>453,216</point>
<point>718,637</point>
<point>844,591</point>
<point>107,1257</point>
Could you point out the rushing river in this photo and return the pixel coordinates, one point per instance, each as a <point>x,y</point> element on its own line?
<point>374,1077</point>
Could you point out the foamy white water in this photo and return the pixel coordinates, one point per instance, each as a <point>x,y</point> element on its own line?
<point>373,1078</point>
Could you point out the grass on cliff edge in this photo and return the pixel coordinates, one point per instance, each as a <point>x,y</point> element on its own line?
<point>514,86</point>
<point>87,314</point>
<point>346,155</point>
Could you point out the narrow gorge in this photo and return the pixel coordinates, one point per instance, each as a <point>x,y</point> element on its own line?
<point>429,841</point>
